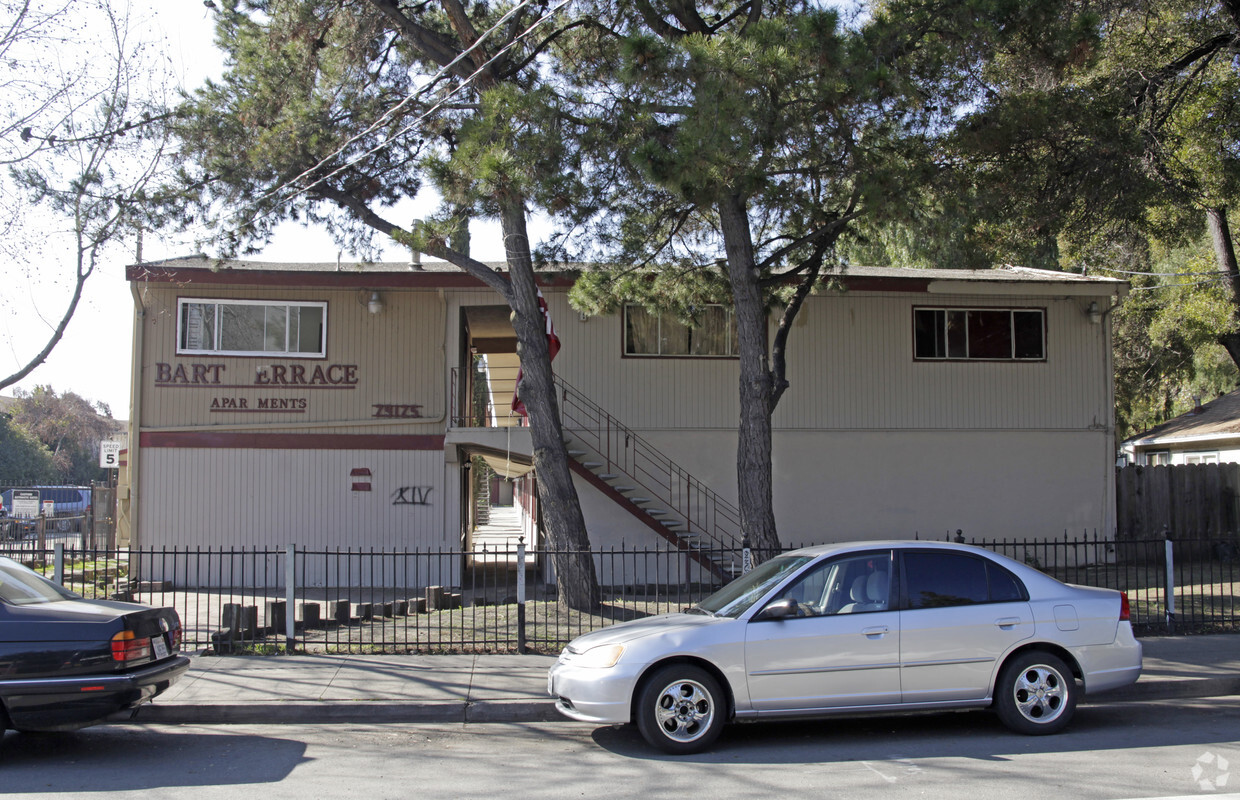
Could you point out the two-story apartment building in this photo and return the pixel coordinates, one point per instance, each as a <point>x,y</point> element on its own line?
<point>345,406</point>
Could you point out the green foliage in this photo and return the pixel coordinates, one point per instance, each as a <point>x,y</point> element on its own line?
<point>23,458</point>
<point>70,429</point>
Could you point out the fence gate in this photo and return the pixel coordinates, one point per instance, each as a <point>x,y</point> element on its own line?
<point>1185,499</point>
<point>103,506</point>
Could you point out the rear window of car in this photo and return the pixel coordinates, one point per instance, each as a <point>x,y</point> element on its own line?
<point>936,580</point>
<point>22,587</point>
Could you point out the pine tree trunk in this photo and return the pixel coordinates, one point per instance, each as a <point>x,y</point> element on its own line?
<point>1225,258</point>
<point>753,457</point>
<point>561,509</point>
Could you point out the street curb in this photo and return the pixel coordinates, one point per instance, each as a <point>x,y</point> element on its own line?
<point>359,712</point>
<point>343,712</point>
<point>1173,690</point>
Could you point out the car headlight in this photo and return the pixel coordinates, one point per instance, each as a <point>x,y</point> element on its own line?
<point>601,657</point>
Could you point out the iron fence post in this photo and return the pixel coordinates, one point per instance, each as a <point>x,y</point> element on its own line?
<point>521,595</point>
<point>290,598</point>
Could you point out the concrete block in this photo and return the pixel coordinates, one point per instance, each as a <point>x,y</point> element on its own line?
<point>342,612</point>
<point>311,614</point>
<point>277,616</point>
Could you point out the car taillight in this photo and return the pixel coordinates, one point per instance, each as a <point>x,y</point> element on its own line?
<point>176,639</point>
<point>1125,613</point>
<point>128,647</point>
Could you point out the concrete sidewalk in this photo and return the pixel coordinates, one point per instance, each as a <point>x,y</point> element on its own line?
<point>511,688</point>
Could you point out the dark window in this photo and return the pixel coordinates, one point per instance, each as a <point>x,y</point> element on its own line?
<point>986,334</point>
<point>935,580</point>
<point>1004,587</point>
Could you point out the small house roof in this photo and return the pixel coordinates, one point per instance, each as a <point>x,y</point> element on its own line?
<point>1218,419</point>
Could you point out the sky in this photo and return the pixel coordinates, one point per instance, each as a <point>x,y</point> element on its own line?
<point>94,357</point>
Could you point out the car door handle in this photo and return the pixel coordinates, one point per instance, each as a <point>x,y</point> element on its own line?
<point>1007,622</point>
<point>876,631</point>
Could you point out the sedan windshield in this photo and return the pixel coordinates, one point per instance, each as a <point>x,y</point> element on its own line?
<point>21,587</point>
<point>736,598</point>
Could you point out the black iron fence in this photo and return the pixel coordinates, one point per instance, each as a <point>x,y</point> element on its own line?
<point>506,600</point>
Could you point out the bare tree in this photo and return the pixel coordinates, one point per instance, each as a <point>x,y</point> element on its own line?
<point>76,143</point>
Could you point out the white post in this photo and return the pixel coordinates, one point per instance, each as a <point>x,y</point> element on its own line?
<point>521,595</point>
<point>58,570</point>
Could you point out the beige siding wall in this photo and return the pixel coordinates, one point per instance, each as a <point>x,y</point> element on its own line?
<point>840,486</point>
<point>270,498</point>
<point>851,367</point>
<point>398,357</point>
<point>869,443</point>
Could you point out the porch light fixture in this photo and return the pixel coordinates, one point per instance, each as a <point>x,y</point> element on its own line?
<point>375,304</point>
<point>1094,312</point>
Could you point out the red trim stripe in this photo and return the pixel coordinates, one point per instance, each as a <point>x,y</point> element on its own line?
<point>291,441</point>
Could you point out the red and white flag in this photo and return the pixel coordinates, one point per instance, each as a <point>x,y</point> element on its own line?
<point>553,347</point>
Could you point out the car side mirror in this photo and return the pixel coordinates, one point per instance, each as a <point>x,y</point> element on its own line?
<point>780,609</point>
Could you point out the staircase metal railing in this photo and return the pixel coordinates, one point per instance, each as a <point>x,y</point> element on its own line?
<point>708,518</point>
<point>637,465</point>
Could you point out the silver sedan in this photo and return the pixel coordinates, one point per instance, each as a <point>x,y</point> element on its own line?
<point>866,627</point>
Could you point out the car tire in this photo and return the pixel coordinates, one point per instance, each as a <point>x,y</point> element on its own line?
<point>1036,694</point>
<point>681,709</point>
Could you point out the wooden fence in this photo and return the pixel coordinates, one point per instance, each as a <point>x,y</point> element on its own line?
<point>1187,501</point>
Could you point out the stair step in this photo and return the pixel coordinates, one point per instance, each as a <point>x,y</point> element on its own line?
<point>577,453</point>
<point>592,465</point>
<point>657,512</point>
<point>639,500</point>
<point>623,489</point>
<point>607,476</point>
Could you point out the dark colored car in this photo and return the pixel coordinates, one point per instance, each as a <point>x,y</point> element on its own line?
<point>67,662</point>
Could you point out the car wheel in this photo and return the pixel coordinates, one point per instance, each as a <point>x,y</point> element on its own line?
<point>681,709</point>
<point>1036,694</point>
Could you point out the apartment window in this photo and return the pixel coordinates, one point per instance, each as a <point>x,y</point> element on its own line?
<point>1201,458</point>
<point>979,334</point>
<point>251,327</point>
<point>1158,458</point>
<point>648,333</point>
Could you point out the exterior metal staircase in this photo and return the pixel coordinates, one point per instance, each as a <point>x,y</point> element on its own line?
<point>649,485</point>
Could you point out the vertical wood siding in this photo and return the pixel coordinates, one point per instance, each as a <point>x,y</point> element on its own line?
<point>398,355</point>
<point>271,498</point>
<point>851,367</point>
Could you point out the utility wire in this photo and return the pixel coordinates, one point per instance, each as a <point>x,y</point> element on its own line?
<point>416,121</point>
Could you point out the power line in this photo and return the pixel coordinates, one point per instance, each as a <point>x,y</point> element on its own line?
<point>434,79</point>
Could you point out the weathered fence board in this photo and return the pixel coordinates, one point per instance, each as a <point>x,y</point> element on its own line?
<point>1186,500</point>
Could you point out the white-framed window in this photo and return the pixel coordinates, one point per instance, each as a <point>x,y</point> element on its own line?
<point>1201,458</point>
<point>979,334</point>
<point>1158,458</point>
<point>648,333</point>
<point>251,328</point>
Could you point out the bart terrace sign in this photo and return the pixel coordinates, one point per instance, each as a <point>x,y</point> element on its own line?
<point>213,375</point>
<point>277,377</point>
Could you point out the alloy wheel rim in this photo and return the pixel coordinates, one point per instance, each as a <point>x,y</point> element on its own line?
<point>684,710</point>
<point>1041,694</point>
